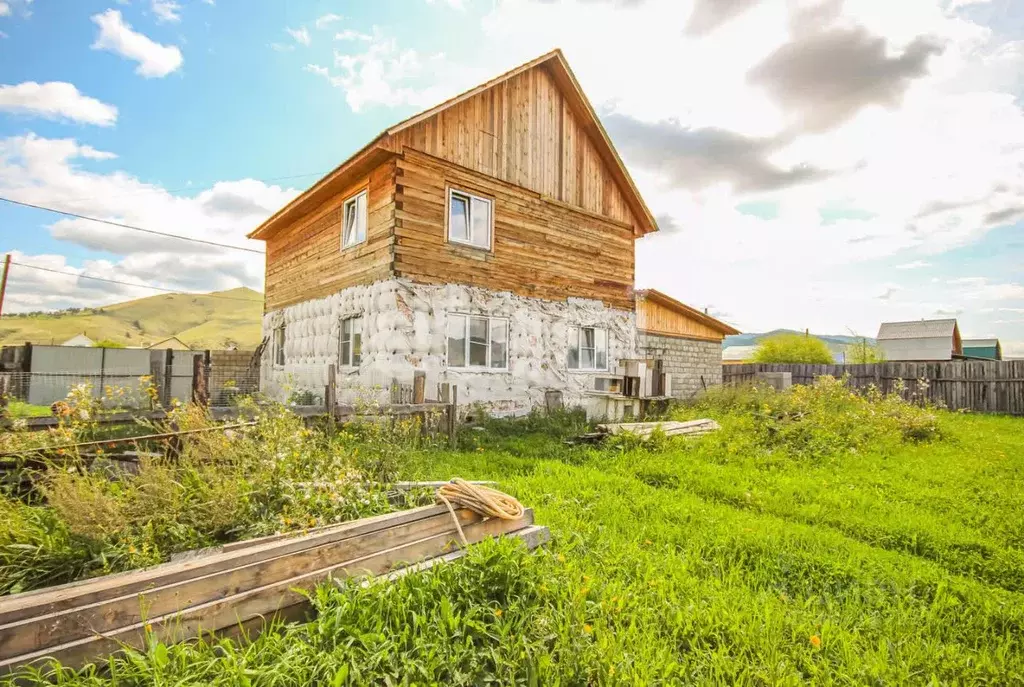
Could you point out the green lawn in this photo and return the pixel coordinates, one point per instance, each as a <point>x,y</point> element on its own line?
<point>22,409</point>
<point>816,539</point>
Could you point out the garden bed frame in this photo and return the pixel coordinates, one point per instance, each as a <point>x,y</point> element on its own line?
<point>239,586</point>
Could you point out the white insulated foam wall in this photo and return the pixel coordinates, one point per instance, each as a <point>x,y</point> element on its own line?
<point>404,330</point>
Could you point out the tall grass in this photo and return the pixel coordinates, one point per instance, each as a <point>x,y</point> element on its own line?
<point>785,548</point>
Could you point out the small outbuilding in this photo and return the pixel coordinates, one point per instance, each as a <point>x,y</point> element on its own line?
<point>985,349</point>
<point>171,342</point>
<point>688,341</point>
<point>79,340</point>
<point>920,340</point>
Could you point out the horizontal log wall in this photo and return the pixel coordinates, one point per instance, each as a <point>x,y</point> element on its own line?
<point>541,248</point>
<point>306,261</point>
<point>986,386</point>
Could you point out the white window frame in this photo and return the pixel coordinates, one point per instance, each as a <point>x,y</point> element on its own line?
<point>469,198</point>
<point>579,350</point>
<point>351,350</point>
<point>490,324</point>
<point>353,202</point>
<point>278,347</point>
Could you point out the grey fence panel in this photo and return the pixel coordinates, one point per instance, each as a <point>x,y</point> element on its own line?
<point>181,374</point>
<point>991,386</point>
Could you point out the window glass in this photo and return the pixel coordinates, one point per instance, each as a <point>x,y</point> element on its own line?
<point>499,344</point>
<point>601,345</point>
<point>458,220</point>
<point>478,341</point>
<point>279,345</point>
<point>354,221</point>
<point>346,342</point>
<point>357,340</point>
<point>457,340</point>
<point>481,218</point>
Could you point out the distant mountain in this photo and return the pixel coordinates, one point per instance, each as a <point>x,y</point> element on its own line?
<point>752,339</point>
<point>214,320</point>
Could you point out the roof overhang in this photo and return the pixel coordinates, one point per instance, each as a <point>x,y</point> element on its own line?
<point>683,309</point>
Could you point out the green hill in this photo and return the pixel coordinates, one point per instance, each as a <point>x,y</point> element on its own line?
<point>201,321</point>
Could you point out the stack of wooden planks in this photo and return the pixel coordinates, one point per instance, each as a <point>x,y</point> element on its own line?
<point>237,586</point>
<point>670,429</point>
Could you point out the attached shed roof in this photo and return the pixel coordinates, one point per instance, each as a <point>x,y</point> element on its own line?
<point>672,304</point>
<point>917,329</point>
<point>980,343</point>
<point>382,147</point>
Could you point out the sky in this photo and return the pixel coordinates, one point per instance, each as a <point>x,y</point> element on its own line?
<point>813,164</point>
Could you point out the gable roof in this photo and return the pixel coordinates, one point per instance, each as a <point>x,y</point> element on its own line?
<point>683,309</point>
<point>980,343</point>
<point>380,147</point>
<point>916,329</point>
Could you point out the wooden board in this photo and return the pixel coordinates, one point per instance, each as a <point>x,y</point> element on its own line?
<point>234,606</point>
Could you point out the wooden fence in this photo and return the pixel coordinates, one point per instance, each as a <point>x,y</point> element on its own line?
<point>985,386</point>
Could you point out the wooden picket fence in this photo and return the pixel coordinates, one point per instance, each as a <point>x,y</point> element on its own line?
<point>987,386</point>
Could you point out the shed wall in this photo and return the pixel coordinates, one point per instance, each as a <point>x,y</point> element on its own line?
<point>693,363</point>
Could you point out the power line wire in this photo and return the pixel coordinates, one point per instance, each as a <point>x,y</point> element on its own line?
<point>129,226</point>
<point>127,283</point>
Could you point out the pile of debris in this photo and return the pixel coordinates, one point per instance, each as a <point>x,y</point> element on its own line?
<point>690,428</point>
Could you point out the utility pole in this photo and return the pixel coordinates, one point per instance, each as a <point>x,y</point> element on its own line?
<point>3,282</point>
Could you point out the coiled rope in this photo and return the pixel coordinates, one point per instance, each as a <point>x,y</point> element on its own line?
<point>479,499</point>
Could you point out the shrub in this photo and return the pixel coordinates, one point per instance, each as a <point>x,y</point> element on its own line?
<point>863,353</point>
<point>793,348</point>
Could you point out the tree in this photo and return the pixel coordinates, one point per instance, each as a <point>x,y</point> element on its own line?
<point>107,343</point>
<point>862,353</point>
<point>792,348</point>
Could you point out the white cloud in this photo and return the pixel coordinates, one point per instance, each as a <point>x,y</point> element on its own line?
<point>915,265</point>
<point>385,75</point>
<point>352,35</point>
<point>46,172</point>
<point>301,35</point>
<point>5,9</point>
<point>456,4</point>
<point>166,10</point>
<point>56,100</point>
<point>116,36</point>
<point>282,47</point>
<point>322,22</point>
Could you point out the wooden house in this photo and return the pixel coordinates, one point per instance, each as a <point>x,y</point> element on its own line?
<point>686,340</point>
<point>487,241</point>
<point>920,340</point>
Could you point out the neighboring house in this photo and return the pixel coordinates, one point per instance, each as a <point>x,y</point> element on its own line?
<point>688,341</point>
<point>79,340</point>
<point>986,349</point>
<point>736,355</point>
<point>487,241</point>
<point>172,342</point>
<point>920,340</point>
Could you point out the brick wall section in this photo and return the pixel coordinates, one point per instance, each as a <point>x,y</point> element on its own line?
<point>687,360</point>
<point>232,366</point>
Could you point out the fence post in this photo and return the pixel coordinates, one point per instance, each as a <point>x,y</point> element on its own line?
<point>200,382</point>
<point>331,393</point>
<point>103,370</point>
<point>165,390</point>
<point>419,386</point>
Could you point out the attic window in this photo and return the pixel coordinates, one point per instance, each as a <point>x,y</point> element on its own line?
<point>354,220</point>
<point>470,219</point>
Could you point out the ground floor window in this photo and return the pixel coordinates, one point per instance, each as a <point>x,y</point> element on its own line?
<point>476,341</point>
<point>279,346</point>
<point>588,349</point>
<point>351,341</point>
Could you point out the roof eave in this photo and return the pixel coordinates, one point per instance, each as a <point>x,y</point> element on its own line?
<point>678,306</point>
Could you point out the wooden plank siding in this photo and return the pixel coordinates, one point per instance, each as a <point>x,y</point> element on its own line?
<point>985,386</point>
<point>541,248</point>
<point>656,318</point>
<point>523,131</point>
<point>305,260</point>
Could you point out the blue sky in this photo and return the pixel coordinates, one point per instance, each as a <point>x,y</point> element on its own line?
<point>817,164</point>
